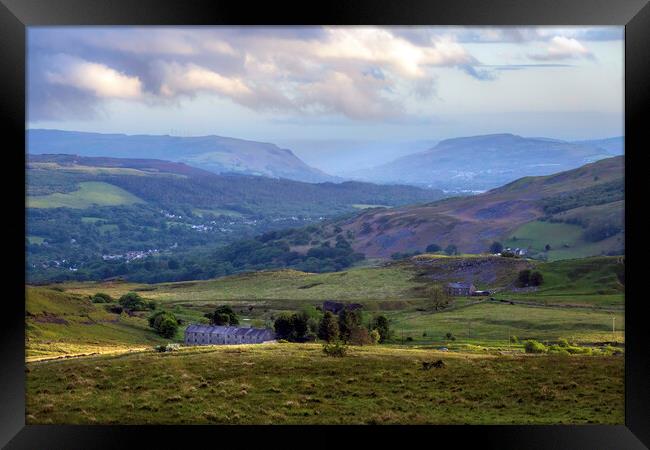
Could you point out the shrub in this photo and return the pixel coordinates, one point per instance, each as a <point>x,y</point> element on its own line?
<point>409,339</point>
<point>574,350</point>
<point>432,248</point>
<point>336,349</point>
<point>100,297</point>
<point>533,346</point>
<point>562,342</point>
<point>450,337</point>
<point>558,350</point>
<point>514,339</point>
<point>428,365</point>
<point>375,337</point>
<point>133,302</point>
<point>116,309</point>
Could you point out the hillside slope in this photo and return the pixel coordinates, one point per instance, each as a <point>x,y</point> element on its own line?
<point>216,154</point>
<point>472,223</point>
<point>483,162</point>
<point>87,217</point>
<point>66,324</point>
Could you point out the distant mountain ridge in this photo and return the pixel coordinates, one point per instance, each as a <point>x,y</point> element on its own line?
<point>614,146</point>
<point>487,161</point>
<point>212,153</point>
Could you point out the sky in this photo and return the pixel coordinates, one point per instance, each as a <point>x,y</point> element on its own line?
<point>328,87</point>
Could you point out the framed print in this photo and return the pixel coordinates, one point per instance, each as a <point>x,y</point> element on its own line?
<point>393,219</point>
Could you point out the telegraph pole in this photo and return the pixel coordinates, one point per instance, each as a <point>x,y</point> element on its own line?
<point>613,324</point>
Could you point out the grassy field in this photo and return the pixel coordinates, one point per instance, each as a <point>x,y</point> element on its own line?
<point>367,284</point>
<point>89,193</point>
<point>589,281</point>
<point>116,377</point>
<point>60,324</point>
<point>566,241</point>
<point>492,324</point>
<point>579,299</point>
<point>298,384</point>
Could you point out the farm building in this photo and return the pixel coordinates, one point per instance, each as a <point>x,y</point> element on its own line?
<point>460,289</point>
<point>213,335</point>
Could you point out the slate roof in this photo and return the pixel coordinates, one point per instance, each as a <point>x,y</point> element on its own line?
<point>230,331</point>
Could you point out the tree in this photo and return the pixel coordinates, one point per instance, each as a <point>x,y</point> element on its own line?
<point>223,315</point>
<point>283,327</point>
<point>496,247</point>
<point>523,279</point>
<point>451,250</point>
<point>536,278</point>
<point>300,325</point>
<point>547,247</point>
<point>165,323</point>
<point>438,296</point>
<point>360,336</point>
<point>133,302</point>
<point>293,327</point>
<point>348,321</point>
<point>375,337</point>
<point>100,297</point>
<point>328,328</point>
<point>431,248</point>
<point>380,323</point>
<point>168,327</point>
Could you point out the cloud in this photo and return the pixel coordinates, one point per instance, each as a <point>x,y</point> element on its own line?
<point>360,72</point>
<point>191,78</point>
<point>561,48</point>
<point>95,78</point>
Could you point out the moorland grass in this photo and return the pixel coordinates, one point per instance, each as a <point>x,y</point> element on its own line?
<point>299,384</point>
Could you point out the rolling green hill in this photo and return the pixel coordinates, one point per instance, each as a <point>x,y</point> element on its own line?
<point>60,324</point>
<point>90,193</point>
<point>590,197</point>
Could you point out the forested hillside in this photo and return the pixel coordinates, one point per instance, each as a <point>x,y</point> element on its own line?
<point>92,218</point>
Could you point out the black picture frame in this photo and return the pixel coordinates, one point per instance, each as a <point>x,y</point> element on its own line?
<point>16,15</point>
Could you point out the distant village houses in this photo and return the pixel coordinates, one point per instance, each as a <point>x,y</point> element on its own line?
<point>224,335</point>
